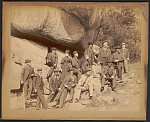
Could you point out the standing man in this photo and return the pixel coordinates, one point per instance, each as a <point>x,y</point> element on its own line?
<point>85,83</point>
<point>26,79</point>
<point>54,84</point>
<point>67,87</point>
<point>65,63</point>
<point>108,74</point>
<point>76,65</point>
<point>88,54</point>
<point>51,61</point>
<point>125,54</point>
<point>38,85</point>
<point>117,60</point>
<point>104,54</point>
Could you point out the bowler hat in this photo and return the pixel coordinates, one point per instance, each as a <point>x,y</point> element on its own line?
<point>27,61</point>
<point>75,52</point>
<point>67,51</point>
<point>39,69</point>
<point>53,48</point>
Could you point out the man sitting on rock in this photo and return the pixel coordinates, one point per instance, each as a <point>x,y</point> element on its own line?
<point>108,74</point>
<point>54,84</point>
<point>67,87</point>
<point>85,83</point>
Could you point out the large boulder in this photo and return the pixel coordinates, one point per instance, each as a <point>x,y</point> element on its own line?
<point>48,22</point>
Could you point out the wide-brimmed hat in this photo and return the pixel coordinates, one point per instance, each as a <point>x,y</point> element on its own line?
<point>39,69</point>
<point>53,48</point>
<point>67,51</point>
<point>27,61</point>
<point>75,52</point>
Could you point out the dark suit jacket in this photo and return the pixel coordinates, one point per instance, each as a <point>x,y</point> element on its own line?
<point>38,82</point>
<point>125,53</point>
<point>54,83</point>
<point>27,71</point>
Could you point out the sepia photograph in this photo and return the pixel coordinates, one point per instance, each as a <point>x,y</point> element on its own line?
<point>74,60</point>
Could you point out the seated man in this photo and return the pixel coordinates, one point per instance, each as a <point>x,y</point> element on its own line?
<point>85,83</point>
<point>38,88</point>
<point>108,74</point>
<point>67,86</point>
<point>54,84</point>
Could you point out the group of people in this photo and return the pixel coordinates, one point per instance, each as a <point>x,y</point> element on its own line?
<point>73,78</point>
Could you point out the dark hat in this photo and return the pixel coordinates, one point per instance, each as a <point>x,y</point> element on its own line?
<point>75,52</point>
<point>27,61</point>
<point>57,70</point>
<point>67,51</point>
<point>39,69</point>
<point>53,48</point>
<point>90,43</point>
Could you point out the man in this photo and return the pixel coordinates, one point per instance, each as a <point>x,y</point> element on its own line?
<point>117,60</point>
<point>85,83</point>
<point>108,74</point>
<point>26,79</point>
<point>54,84</point>
<point>76,65</point>
<point>65,63</point>
<point>67,87</point>
<point>88,54</point>
<point>125,54</point>
<point>38,85</point>
<point>51,61</point>
<point>104,54</point>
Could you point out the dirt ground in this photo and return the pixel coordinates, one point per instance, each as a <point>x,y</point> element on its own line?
<point>126,97</point>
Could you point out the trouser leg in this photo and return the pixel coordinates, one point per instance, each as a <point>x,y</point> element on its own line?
<point>91,89</point>
<point>71,94</point>
<point>42,99</point>
<point>63,98</point>
<point>114,83</point>
<point>25,89</point>
<point>51,70</point>
<point>103,82</point>
<point>77,92</point>
<point>126,66</point>
<point>30,88</point>
<point>38,103</point>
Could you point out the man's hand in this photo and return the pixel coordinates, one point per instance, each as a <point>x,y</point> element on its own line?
<point>66,86</point>
<point>21,82</point>
<point>52,92</point>
<point>59,89</point>
<point>116,60</point>
<point>104,76</point>
<point>127,58</point>
<point>54,65</point>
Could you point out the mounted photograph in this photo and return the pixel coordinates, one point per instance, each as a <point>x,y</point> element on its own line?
<point>74,60</point>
